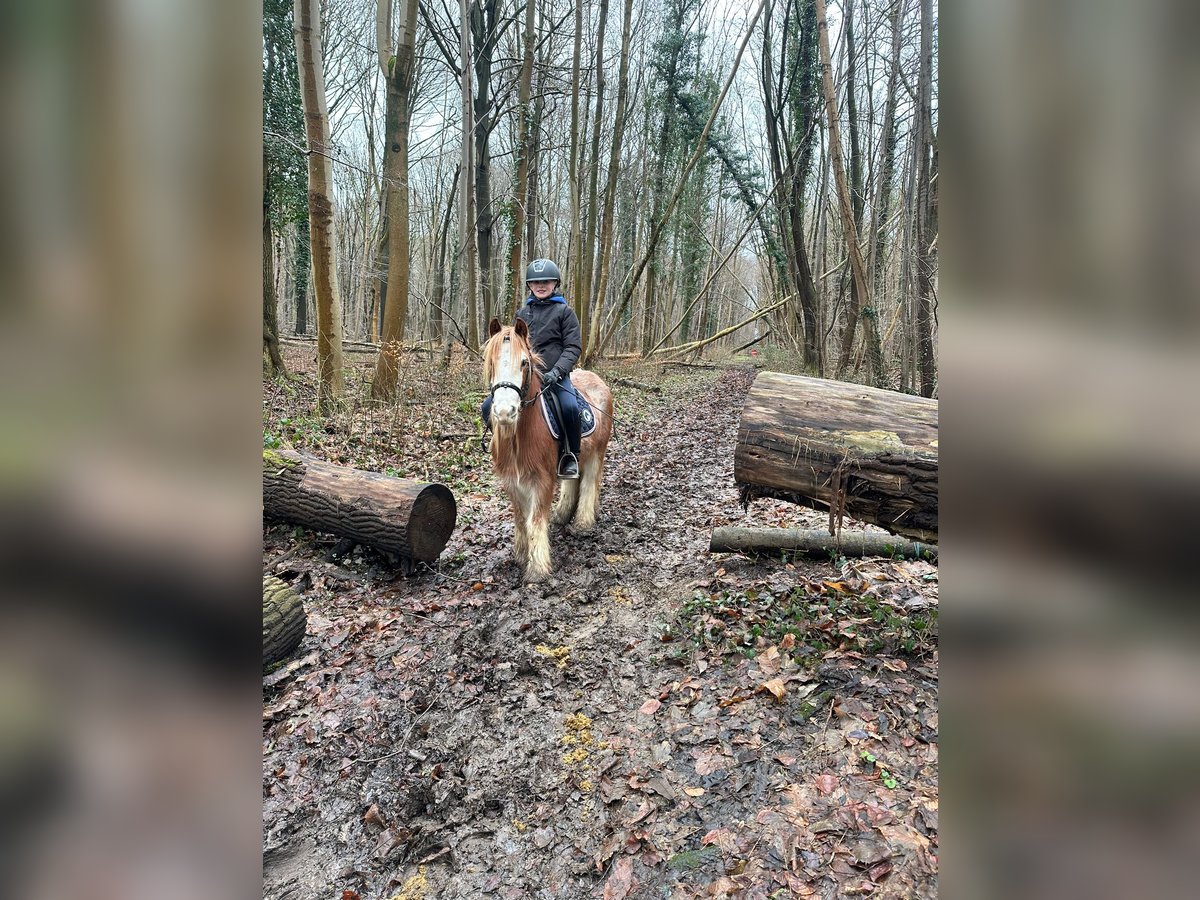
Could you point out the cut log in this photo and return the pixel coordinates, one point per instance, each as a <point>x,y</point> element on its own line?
<point>855,450</point>
<point>284,621</point>
<point>412,519</point>
<point>817,543</point>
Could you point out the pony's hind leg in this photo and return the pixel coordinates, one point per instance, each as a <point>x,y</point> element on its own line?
<point>589,493</point>
<point>568,499</point>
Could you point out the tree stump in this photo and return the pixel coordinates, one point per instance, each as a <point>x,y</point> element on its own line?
<point>411,519</point>
<point>851,449</point>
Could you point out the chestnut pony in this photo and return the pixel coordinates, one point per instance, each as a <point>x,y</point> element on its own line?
<point>525,453</point>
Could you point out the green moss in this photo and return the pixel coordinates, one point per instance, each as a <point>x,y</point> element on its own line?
<point>276,461</point>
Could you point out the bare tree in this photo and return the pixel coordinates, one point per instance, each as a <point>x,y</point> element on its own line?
<point>320,205</point>
<point>846,203</point>
<point>398,71</point>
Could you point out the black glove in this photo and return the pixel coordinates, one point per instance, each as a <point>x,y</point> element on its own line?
<point>551,378</point>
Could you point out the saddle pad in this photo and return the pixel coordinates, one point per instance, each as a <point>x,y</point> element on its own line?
<point>587,419</point>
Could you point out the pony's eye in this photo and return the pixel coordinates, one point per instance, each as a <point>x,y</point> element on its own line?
<point>524,364</point>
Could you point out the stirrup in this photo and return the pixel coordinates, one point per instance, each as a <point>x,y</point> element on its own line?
<point>568,465</point>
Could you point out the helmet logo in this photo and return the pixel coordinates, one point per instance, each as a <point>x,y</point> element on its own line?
<point>539,265</point>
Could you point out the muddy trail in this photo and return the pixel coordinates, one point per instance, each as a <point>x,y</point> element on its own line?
<point>652,721</point>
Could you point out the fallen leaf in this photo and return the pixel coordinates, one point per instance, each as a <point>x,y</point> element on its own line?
<point>620,882</point>
<point>694,792</point>
<point>650,707</point>
<point>372,817</point>
<point>775,686</point>
<point>788,642</point>
<point>723,838</point>
<point>879,871</point>
<point>709,761</point>
<point>642,811</point>
<point>827,783</point>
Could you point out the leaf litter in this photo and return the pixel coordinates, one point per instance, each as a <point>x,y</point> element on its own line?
<point>453,734</point>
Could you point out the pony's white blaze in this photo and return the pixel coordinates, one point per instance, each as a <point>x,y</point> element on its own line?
<point>506,401</point>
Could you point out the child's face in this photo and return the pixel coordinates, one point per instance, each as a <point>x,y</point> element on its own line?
<point>542,289</point>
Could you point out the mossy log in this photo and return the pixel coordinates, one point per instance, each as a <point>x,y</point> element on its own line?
<point>412,519</point>
<point>817,543</point>
<point>284,621</point>
<point>854,450</point>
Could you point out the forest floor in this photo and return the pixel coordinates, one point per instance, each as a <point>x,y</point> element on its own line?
<point>653,721</point>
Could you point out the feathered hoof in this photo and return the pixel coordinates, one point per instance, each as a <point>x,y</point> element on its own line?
<point>536,576</point>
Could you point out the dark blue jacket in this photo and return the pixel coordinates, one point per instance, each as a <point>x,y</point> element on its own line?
<point>553,331</point>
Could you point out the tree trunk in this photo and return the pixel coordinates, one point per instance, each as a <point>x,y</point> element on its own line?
<point>516,258</point>
<point>320,205</point>
<point>588,244</point>
<point>855,450</point>
<point>816,543</point>
<point>466,226</point>
<point>270,302</point>
<point>412,519</point>
<point>610,189</point>
<point>438,299</point>
<point>483,24</point>
<point>846,203</point>
<point>883,192</point>
<point>926,207</point>
<point>573,267</point>
<point>398,71</point>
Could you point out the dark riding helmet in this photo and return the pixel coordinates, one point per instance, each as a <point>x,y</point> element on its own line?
<point>543,270</point>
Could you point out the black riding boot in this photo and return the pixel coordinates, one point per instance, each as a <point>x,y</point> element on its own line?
<point>568,465</point>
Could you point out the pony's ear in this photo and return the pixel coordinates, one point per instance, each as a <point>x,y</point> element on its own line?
<point>493,326</point>
<point>522,327</point>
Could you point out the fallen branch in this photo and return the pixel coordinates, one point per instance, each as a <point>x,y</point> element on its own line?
<point>696,345</point>
<point>641,386</point>
<point>817,543</point>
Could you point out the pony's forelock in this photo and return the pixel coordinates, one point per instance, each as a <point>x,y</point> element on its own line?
<point>491,351</point>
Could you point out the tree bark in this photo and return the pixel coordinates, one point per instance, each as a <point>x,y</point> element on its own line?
<point>573,267</point>
<point>926,207</point>
<point>466,225</point>
<point>816,543</point>
<point>483,24</point>
<point>846,203</point>
<point>412,519</point>
<point>270,302</point>
<point>583,302</point>
<point>398,71</point>
<point>610,190</point>
<point>284,621</point>
<point>852,449</point>
<point>516,258</point>
<point>320,205</point>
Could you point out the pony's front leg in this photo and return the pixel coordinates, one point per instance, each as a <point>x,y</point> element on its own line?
<point>520,534</point>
